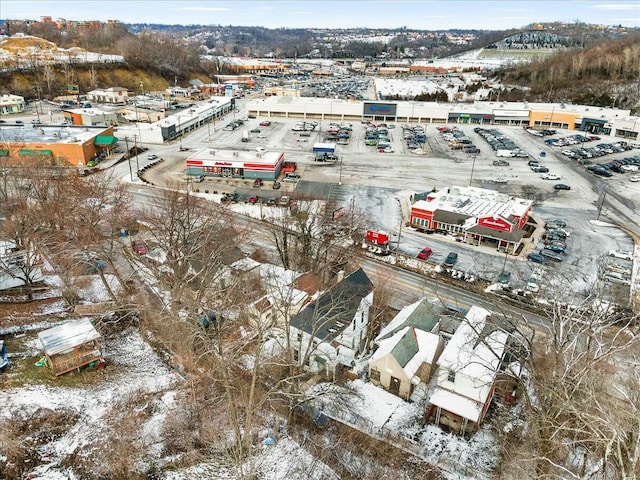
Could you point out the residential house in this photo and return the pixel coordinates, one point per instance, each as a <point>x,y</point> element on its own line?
<point>11,104</point>
<point>407,349</point>
<point>331,330</point>
<point>282,299</point>
<point>467,372</point>
<point>71,345</point>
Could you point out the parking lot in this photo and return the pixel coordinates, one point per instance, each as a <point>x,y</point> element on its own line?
<point>376,183</point>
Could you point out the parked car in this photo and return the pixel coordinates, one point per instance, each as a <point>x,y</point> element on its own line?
<point>255,130</point>
<point>140,247</point>
<point>254,199</point>
<point>199,178</point>
<point>425,253</point>
<point>555,223</point>
<point>504,278</point>
<point>634,178</point>
<point>500,163</point>
<point>257,183</point>
<point>555,248</point>
<point>562,186</point>
<point>620,254</point>
<point>451,259</point>
<point>549,176</point>
<point>265,123</point>
<point>535,258</point>
<point>545,252</point>
<point>152,156</point>
<point>276,185</point>
<point>284,201</point>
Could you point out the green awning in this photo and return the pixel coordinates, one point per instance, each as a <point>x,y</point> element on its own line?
<point>27,151</point>
<point>4,152</point>
<point>105,140</point>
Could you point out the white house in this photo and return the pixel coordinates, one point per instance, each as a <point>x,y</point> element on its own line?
<point>11,104</point>
<point>467,371</point>
<point>331,330</point>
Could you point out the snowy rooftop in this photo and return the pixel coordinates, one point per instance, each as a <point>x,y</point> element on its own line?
<point>475,202</point>
<point>65,337</point>
<point>469,354</point>
<point>454,403</point>
<point>427,345</point>
<point>49,135</point>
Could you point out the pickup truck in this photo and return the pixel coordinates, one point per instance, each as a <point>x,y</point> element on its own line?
<point>500,163</point>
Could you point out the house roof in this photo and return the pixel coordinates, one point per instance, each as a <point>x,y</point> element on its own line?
<point>410,347</point>
<point>328,316</point>
<point>65,337</point>
<point>457,404</point>
<point>406,348</point>
<point>473,350</point>
<point>419,314</point>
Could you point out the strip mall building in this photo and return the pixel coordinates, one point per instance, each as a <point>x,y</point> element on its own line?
<point>475,215</point>
<point>235,164</point>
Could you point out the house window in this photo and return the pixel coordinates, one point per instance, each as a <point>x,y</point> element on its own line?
<point>296,355</point>
<point>354,325</point>
<point>374,375</point>
<point>299,337</point>
<point>451,376</point>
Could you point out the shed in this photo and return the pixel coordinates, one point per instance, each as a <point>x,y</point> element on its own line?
<point>324,148</point>
<point>71,345</point>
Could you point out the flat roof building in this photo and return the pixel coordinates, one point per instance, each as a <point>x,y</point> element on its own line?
<point>235,164</point>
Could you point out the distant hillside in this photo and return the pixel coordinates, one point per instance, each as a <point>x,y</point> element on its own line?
<point>605,74</point>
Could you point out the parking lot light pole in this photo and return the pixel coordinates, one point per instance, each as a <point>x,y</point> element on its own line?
<point>340,177</point>
<point>400,229</point>
<point>473,166</point>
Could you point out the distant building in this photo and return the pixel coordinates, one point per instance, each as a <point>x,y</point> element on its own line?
<point>90,117</point>
<point>112,95</point>
<point>11,104</point>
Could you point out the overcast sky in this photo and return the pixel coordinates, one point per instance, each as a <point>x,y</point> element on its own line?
<point>417,14</point>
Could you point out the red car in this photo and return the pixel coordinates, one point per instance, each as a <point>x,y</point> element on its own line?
<point>140,247</point>
<point>266,123</point>
<point>425,253</point>
<point>253,199</point>
<point>257,183</point>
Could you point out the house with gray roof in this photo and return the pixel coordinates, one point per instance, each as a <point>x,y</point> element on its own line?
<point>331,330</point>
<point>407,350</point>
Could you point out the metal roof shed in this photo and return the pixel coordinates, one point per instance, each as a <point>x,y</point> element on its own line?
<point>324,148</point>
<point>71,345</point>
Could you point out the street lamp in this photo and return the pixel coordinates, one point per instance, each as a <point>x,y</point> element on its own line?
<point>340,177</point>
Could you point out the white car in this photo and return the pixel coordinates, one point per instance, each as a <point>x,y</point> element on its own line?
<point>620,254</point>
<point>629,168</point>
<point>634,178</point>
<point>549,176</point>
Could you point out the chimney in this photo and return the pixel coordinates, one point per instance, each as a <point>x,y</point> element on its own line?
<point>340,276</point>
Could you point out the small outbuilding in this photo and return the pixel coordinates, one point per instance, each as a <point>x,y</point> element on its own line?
<point>71,345</point>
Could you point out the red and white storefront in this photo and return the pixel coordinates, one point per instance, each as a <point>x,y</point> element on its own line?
<point>474,215</point>
<point>235,164</point>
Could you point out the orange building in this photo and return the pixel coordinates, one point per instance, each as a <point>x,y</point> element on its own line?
<point>76,145</point>
<point>554,118</point>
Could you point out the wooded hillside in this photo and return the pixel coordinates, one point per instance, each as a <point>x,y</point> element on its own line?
<point>606,74</point>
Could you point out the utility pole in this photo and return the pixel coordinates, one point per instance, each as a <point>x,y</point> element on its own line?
<point>604,194</point>
<point>340,177</point>
<point>126,141</point>
<point>137,162</point>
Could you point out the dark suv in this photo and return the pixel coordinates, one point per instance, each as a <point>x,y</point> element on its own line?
<point>451,259</point>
